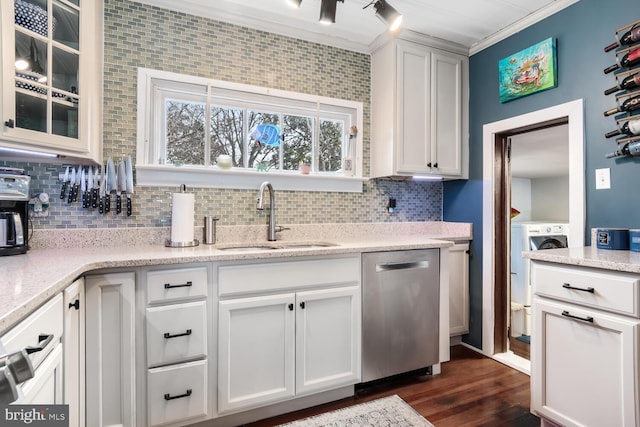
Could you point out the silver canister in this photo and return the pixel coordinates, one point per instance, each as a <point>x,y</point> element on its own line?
<point>210,230</point>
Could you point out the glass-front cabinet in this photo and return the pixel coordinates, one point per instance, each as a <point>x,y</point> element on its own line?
<point>52,76</point>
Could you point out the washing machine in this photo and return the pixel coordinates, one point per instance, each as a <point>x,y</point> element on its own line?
<point>529,236</point>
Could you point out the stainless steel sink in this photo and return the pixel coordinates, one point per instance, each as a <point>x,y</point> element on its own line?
<point>270,246</point>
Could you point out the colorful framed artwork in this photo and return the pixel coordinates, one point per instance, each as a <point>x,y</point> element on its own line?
<point>531,70</point>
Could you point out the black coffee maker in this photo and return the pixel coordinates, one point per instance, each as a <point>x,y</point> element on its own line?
<point>14,211</point>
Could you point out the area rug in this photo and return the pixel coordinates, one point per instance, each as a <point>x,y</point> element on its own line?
<point>388,412</point>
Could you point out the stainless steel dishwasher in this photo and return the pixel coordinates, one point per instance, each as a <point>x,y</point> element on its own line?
<point>400,312</point>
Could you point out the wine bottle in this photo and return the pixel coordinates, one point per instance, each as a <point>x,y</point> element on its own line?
<point>631,128</point>
<point>630,104</point>
<point>627,83</point>
<point>629,149</point>
<point>631,36</point>
<point>630,59</point>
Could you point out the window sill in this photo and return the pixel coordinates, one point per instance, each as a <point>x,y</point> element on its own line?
<point>201,177</point>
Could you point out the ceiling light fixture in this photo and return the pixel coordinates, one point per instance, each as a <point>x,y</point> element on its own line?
<point>295,3</point>
<point>387,14</point>
<point>328,11</point>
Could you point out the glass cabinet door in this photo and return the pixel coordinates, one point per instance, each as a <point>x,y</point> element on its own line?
<point>47,58</point>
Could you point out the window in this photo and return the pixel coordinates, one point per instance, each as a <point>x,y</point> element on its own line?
<point>185,123</point>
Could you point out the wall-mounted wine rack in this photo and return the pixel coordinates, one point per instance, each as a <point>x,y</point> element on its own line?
<point>626,72</point>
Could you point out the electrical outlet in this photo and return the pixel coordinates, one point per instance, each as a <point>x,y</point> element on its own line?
<point>603,179</point>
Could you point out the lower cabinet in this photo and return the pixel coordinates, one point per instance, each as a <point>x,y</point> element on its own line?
<point>459,289</point>
<point>110,349</point>
<point>584,350</point>
<point>74,349</point>
<point>288,344</point>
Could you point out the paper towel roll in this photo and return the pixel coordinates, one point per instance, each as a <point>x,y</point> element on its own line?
<point>182,214</point>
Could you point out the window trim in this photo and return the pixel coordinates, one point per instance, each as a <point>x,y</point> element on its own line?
<point>154,175</point>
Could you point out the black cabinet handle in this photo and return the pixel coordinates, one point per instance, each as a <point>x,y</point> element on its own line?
<point>168,335</point>
<point>75,304</point>
<point>302,305</point>
<point>429,164</point>
<point>573,288</point>
<point>589,319</point>
<point>10,123</point>
<point>435,165</point>
<point>184,285</point>
<point>167,396</point>
<point>43,341</point>
<point>290,307</point>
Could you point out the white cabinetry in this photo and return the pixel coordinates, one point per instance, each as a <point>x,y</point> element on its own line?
<point>51,76</point>
<point>73,342</point>
<point>419,110</point>
<point>301,336</point>
<point>459,289</point>
<point>585,340</point>
<point>110,349</point>
<point>176,328</point>
<point>43,330</point>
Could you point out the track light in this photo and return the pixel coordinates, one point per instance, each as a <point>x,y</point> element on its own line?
<point>328,11</point>
<point>387,14</point>
<point>295,3</point>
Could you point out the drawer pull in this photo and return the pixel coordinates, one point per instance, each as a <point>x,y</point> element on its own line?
<point>168,335</point>
<point>589,319</point>
<point>43,341</point>
<point>573,288</point>
<point>167,396</point>
<point>184,285</point>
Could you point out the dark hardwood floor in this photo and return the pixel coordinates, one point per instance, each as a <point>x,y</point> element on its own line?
<point>472,390</point>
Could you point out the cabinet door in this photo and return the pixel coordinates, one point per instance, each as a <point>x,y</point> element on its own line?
<point>110,355</point>
<point>46,385</point>
<point>73,341</point>
<point>459,289</point>
<point>255,351</point>
<point>327,339</point>
<point>413,109</point>
<point>584,368</point>
<point>446,113</point>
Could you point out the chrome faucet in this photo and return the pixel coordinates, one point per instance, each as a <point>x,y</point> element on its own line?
<point>272,208</point>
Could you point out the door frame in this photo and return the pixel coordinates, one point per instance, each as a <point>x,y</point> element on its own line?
<point>573,111</point>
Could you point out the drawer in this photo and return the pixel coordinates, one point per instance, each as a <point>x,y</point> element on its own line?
<point>241,279</point>
<point>176,285</point>
<point>176,393</point>
<point>45,321</point>
<point>176,333</point>
<point>606,290</point>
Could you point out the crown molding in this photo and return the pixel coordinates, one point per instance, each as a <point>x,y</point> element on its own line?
<point>520,25</point>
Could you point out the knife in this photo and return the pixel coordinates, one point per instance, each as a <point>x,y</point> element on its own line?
<point>122,186</point>
<point>129,171</point>
<point>73,184</point>
<point>102,196</point>
<point>83,188</point>
<point>76,187</point>
<point>89,186</point>
<point>95,188</point>
<point>65,180</point>
<point>111,183</point>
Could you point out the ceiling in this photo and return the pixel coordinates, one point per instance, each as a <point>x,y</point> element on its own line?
<point>473,24</point>
<point>541,154</point>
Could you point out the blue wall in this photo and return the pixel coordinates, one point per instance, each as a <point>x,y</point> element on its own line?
<point>581,31</point>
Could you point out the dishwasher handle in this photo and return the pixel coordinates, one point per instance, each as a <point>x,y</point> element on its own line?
<point>392,266</point>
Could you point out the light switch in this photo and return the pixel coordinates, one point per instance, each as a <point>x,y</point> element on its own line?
<point>603,179</point>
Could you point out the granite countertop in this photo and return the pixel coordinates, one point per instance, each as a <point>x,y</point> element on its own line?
<point>29,280</point>
<point>590,256</point>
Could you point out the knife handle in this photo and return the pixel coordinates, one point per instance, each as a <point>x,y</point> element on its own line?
<point>63,192</point>
<point>75,192</point>
<point>94,198</point>
<point>128,205</point>
<point>101,206</point>
<point>118,203</point>
<point>107,203</point>
<point>86,199</point>
<point>70,198</point>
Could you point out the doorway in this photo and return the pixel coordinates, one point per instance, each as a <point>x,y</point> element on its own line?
<point>496,220</point>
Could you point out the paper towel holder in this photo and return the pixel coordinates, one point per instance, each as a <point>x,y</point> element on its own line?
<point>170,244</point>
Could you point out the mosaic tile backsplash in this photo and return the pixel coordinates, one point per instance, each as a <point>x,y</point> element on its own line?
<point>137,35</point>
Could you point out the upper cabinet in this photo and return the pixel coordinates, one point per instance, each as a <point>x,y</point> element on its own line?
<point>419,111</point>
<point>51,55</point>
